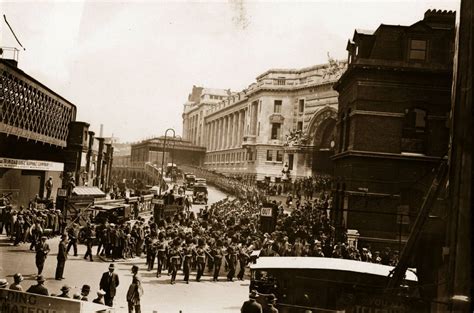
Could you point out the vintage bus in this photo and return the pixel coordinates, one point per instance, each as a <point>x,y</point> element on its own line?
<point>312,284</point>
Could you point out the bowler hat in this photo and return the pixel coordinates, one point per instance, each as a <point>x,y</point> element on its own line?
<point>112,266</point>
<point>86,288</point>
<point>65,288</point>
<point>40,278</point>
<point>3,283</point>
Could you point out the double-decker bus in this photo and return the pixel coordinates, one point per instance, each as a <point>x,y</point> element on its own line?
<point>318,284</point>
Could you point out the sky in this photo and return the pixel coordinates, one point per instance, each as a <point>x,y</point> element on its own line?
<point>130,65</point>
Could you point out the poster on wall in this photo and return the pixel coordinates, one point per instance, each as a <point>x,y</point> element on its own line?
<point>31,165</point>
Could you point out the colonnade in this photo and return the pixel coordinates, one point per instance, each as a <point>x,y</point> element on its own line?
<point>226,132</point>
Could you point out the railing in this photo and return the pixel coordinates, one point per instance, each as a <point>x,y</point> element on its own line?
<point>32,111</point>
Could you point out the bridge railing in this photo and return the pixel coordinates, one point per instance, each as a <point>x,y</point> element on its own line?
<point>31,110</point>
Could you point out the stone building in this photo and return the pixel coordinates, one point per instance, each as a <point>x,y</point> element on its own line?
<point>199,100</point>
<point>287,116</point>
<point>392,132</point>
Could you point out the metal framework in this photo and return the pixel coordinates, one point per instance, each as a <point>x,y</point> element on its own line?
<point>32,111</point>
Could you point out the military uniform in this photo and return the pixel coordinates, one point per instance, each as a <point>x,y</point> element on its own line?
<point>217,254</point>
<point>174,263</point>
<point>161,256</point>
<point>187,257</point>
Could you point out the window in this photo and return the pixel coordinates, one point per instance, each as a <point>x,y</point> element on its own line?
<point>279,156</point>
<point>300,126</point>
<point>269,155</point>
<point>290,161</point>
<point>277,106</point>
<point>276,128</point>
<point>414,128</point>
<point>250,155</point>
<point>417,50</point>
<point>258,129</point>
<point>301,106</point>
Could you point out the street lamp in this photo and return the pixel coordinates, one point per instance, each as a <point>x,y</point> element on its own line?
<point>163,157</point>
<point>172,154</point>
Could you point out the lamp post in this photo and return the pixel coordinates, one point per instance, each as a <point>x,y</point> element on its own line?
<point>172,153</point>
<point>163,157</point>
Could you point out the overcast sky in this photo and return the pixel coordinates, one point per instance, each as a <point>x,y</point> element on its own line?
<point>131,65</point>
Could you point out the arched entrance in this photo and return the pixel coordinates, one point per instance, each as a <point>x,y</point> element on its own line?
<point>322,134</point>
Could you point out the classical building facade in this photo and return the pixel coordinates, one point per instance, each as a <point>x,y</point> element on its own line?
<point>199,101</point>
<point>392,130</point>
<point>286,119</point>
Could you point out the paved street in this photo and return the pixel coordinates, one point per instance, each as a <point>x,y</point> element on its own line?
<point>159,296</point>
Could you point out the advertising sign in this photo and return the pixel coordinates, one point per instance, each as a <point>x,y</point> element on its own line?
<point>12,301</point>
<point>31,165</point>
<point>267,212</point>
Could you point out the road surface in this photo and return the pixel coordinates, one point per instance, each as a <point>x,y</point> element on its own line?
<point>159,295</point>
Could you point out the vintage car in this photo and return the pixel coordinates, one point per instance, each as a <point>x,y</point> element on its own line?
<point>200,194</point>
<point>189,180</point>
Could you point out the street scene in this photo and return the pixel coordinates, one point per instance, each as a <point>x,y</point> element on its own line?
<point>236,156</point>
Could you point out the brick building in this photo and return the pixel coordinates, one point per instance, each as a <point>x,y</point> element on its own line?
<point>394,101</point>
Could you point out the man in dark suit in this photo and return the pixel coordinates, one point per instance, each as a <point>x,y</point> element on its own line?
<point>42,250</point>
<point>62,257</point>
<point>251,305</point>
<point>109,283</point>
<point>39,288</point>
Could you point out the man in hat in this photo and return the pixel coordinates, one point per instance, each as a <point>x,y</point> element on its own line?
<point>39,288</point>
<point>17,279</point>
<point>42,250</point>
<point>135,292</point>
<point>62,257</point>
<point>271,301</point>
<point>251,305</point>
<point>49,187</point>
<point>65,292</point>
<point>100,297</point>
<point>73,233</point>
<point>85,292</point>
<point>109,283</point>
<point>3,283</point>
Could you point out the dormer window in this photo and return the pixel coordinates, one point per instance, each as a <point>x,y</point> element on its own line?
<point>417,49</point>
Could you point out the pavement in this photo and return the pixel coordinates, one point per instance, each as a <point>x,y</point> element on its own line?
<point>159,295</point>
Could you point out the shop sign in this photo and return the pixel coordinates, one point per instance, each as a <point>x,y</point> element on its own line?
<point>31,165</point>
<point>266,212</point>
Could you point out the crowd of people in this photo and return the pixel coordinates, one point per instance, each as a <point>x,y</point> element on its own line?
<point>224,237</point>
<point>105,295</point>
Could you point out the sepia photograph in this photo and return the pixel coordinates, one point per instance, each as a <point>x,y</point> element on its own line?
<point>218,156</point>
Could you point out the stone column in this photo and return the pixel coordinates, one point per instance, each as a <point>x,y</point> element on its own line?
<point>237,129</point>
<point>230,132</point>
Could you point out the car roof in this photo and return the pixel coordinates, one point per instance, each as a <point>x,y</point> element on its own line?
<point>331,264</point>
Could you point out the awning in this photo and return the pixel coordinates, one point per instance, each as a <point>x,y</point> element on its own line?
<point>88,191</point>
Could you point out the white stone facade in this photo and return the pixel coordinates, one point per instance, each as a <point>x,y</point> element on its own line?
<point>245,134</point>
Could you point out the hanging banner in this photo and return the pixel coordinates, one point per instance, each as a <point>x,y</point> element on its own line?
<point>31,165</point>
<point>12,301</point>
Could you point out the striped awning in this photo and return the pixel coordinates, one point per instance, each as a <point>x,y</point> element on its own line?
<point>88,191</point>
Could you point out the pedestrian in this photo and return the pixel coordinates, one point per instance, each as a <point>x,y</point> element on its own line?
<point>251,305</point>
<point>89,235</point>
<point>39,288</point>
<point>85,292</point>
<point>109,283</point>
<point>62,257</point>
<point>271,300</point>
<point>17,279</point>
<point>73,233</point>
<point>65,292</point>
<point>42,250</point>
<point>49,187</point>
<point>135,292</point>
